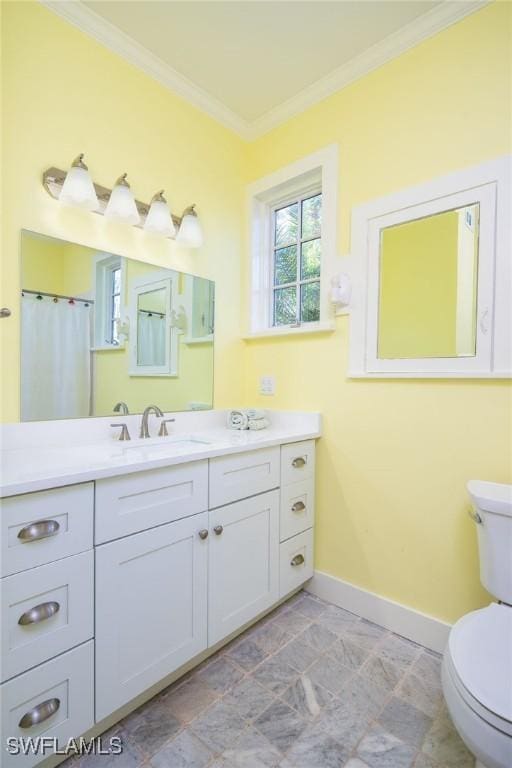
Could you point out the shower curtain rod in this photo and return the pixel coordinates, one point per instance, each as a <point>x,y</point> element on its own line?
<point>58,296</point>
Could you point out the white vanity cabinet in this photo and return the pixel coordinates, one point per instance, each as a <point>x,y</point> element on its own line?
<point>183,557</point>
<point>151,612</point>
<point>243,569</point>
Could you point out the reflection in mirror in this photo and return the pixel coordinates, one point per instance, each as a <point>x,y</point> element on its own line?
<point>97,329</point>
<point>151,324</point>
<point>428,286</point>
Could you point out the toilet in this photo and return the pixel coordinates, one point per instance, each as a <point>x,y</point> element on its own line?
<point>477,664</point>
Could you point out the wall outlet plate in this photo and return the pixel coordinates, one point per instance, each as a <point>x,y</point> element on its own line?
<point>267,385</point>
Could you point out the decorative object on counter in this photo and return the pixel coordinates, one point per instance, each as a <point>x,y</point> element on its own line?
<point>77,188</point>
<point>248,418</point>
<point>238,420</point>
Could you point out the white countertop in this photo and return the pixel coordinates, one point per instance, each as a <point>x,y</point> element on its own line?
<point>28,462</point>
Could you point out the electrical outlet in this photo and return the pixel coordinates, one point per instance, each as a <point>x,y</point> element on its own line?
<point>267,385</point>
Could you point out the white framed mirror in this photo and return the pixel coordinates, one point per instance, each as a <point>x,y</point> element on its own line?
<point>154,346</point>
<point>433,284</point>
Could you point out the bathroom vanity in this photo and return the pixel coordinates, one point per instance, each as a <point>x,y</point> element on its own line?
<point>121,563</point>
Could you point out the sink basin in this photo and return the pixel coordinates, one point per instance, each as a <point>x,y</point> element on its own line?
<point>165,443</point>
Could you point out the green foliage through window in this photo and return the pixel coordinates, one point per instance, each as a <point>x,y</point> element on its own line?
<point>297,252</point>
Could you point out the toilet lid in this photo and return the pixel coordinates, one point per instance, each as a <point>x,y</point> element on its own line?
<point>481,651</point>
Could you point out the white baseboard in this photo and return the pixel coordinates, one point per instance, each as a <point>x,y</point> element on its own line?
<point>419,627</point>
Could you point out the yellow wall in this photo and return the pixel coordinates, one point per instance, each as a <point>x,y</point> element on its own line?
<point>418,288</point>
<point>396,455</point>
<point>63,93</point>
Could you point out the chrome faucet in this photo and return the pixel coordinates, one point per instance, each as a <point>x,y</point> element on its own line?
<point>144,430</point>
<point>121,408</point>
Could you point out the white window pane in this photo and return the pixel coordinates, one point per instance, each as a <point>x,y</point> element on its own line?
<point>285,265</point>
<point>286,222</point>
<point>311,254</point>
<point>311,217</point>
<point>310,302</point>
<point>285,306</point>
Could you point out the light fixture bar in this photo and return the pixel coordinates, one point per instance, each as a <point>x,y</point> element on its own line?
<point>53,179</point>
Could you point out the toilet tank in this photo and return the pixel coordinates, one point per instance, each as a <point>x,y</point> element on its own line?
<point>492,505</point>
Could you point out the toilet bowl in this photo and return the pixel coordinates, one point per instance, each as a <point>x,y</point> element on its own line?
<point>477,664</point>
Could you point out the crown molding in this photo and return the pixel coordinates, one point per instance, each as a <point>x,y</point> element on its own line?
<point>405,38</point>
<point>112,37</point>
<point>428,24</point>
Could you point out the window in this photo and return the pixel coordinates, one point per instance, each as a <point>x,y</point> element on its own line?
<point>114,308</point>
<point>108,301</point>
<point>292,218</point>
<point>296,261</point>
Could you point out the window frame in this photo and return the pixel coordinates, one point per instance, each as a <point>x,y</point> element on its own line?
<point>103,268</point>
<point>299,200</point>
<point>316,172</point>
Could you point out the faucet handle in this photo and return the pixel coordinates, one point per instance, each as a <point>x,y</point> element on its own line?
<point>162,432</point>
<point>125,435</point>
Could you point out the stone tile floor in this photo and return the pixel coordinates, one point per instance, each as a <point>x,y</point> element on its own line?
<point>309,686</point>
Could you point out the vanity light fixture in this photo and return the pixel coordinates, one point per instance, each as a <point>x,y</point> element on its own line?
<point>78,188</point>
<point>190,233</point>
<point>121,205</point>
<point>159,220</point>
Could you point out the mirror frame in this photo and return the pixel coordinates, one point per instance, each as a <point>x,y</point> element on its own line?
<point>487,185</point>
<point>171,365</point>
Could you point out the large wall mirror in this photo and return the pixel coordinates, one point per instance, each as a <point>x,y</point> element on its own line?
<point>99,329</point>
<point>433,296</point>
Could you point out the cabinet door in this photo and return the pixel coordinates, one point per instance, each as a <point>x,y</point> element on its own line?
<point>243,565</point>
<point>151,608</point>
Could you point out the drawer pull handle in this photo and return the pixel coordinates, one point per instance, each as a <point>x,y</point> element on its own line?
<point>297,560</point>
<point>42,529</point>
<point>299,506</point>
<point>40,713</point>
<point>299,462</point>
<point>203,533</point>
<point>39,613</point>
<point>218,530</point>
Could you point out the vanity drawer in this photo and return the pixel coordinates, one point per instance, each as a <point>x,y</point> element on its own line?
<point>297,508</point>
<point>243,475</point>
<point>55,605</point>
<point>63,686</point>
<point>38,528</point>
<point>297,461</point>
<point>296,562</point>
<point>143,500</point>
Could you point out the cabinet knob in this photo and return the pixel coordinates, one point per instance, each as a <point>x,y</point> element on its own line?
<point>218,530</point>
<point>203,533</point>
<point>297,560</point>
<point>299,506</point>
<point>40,713</point>
<point>298,462</point>
<point>39,613</point>
<point>41,529</point>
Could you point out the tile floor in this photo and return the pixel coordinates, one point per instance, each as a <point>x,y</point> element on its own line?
<point>309,686</point>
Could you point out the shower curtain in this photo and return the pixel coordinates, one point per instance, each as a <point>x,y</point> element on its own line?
<point>55,359</point>
<point>150,339</point>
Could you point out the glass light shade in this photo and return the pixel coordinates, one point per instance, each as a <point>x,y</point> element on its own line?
<point>121,205</point>
<point>190,233</point>
<point>78,189</point>
<point>159,220</point>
